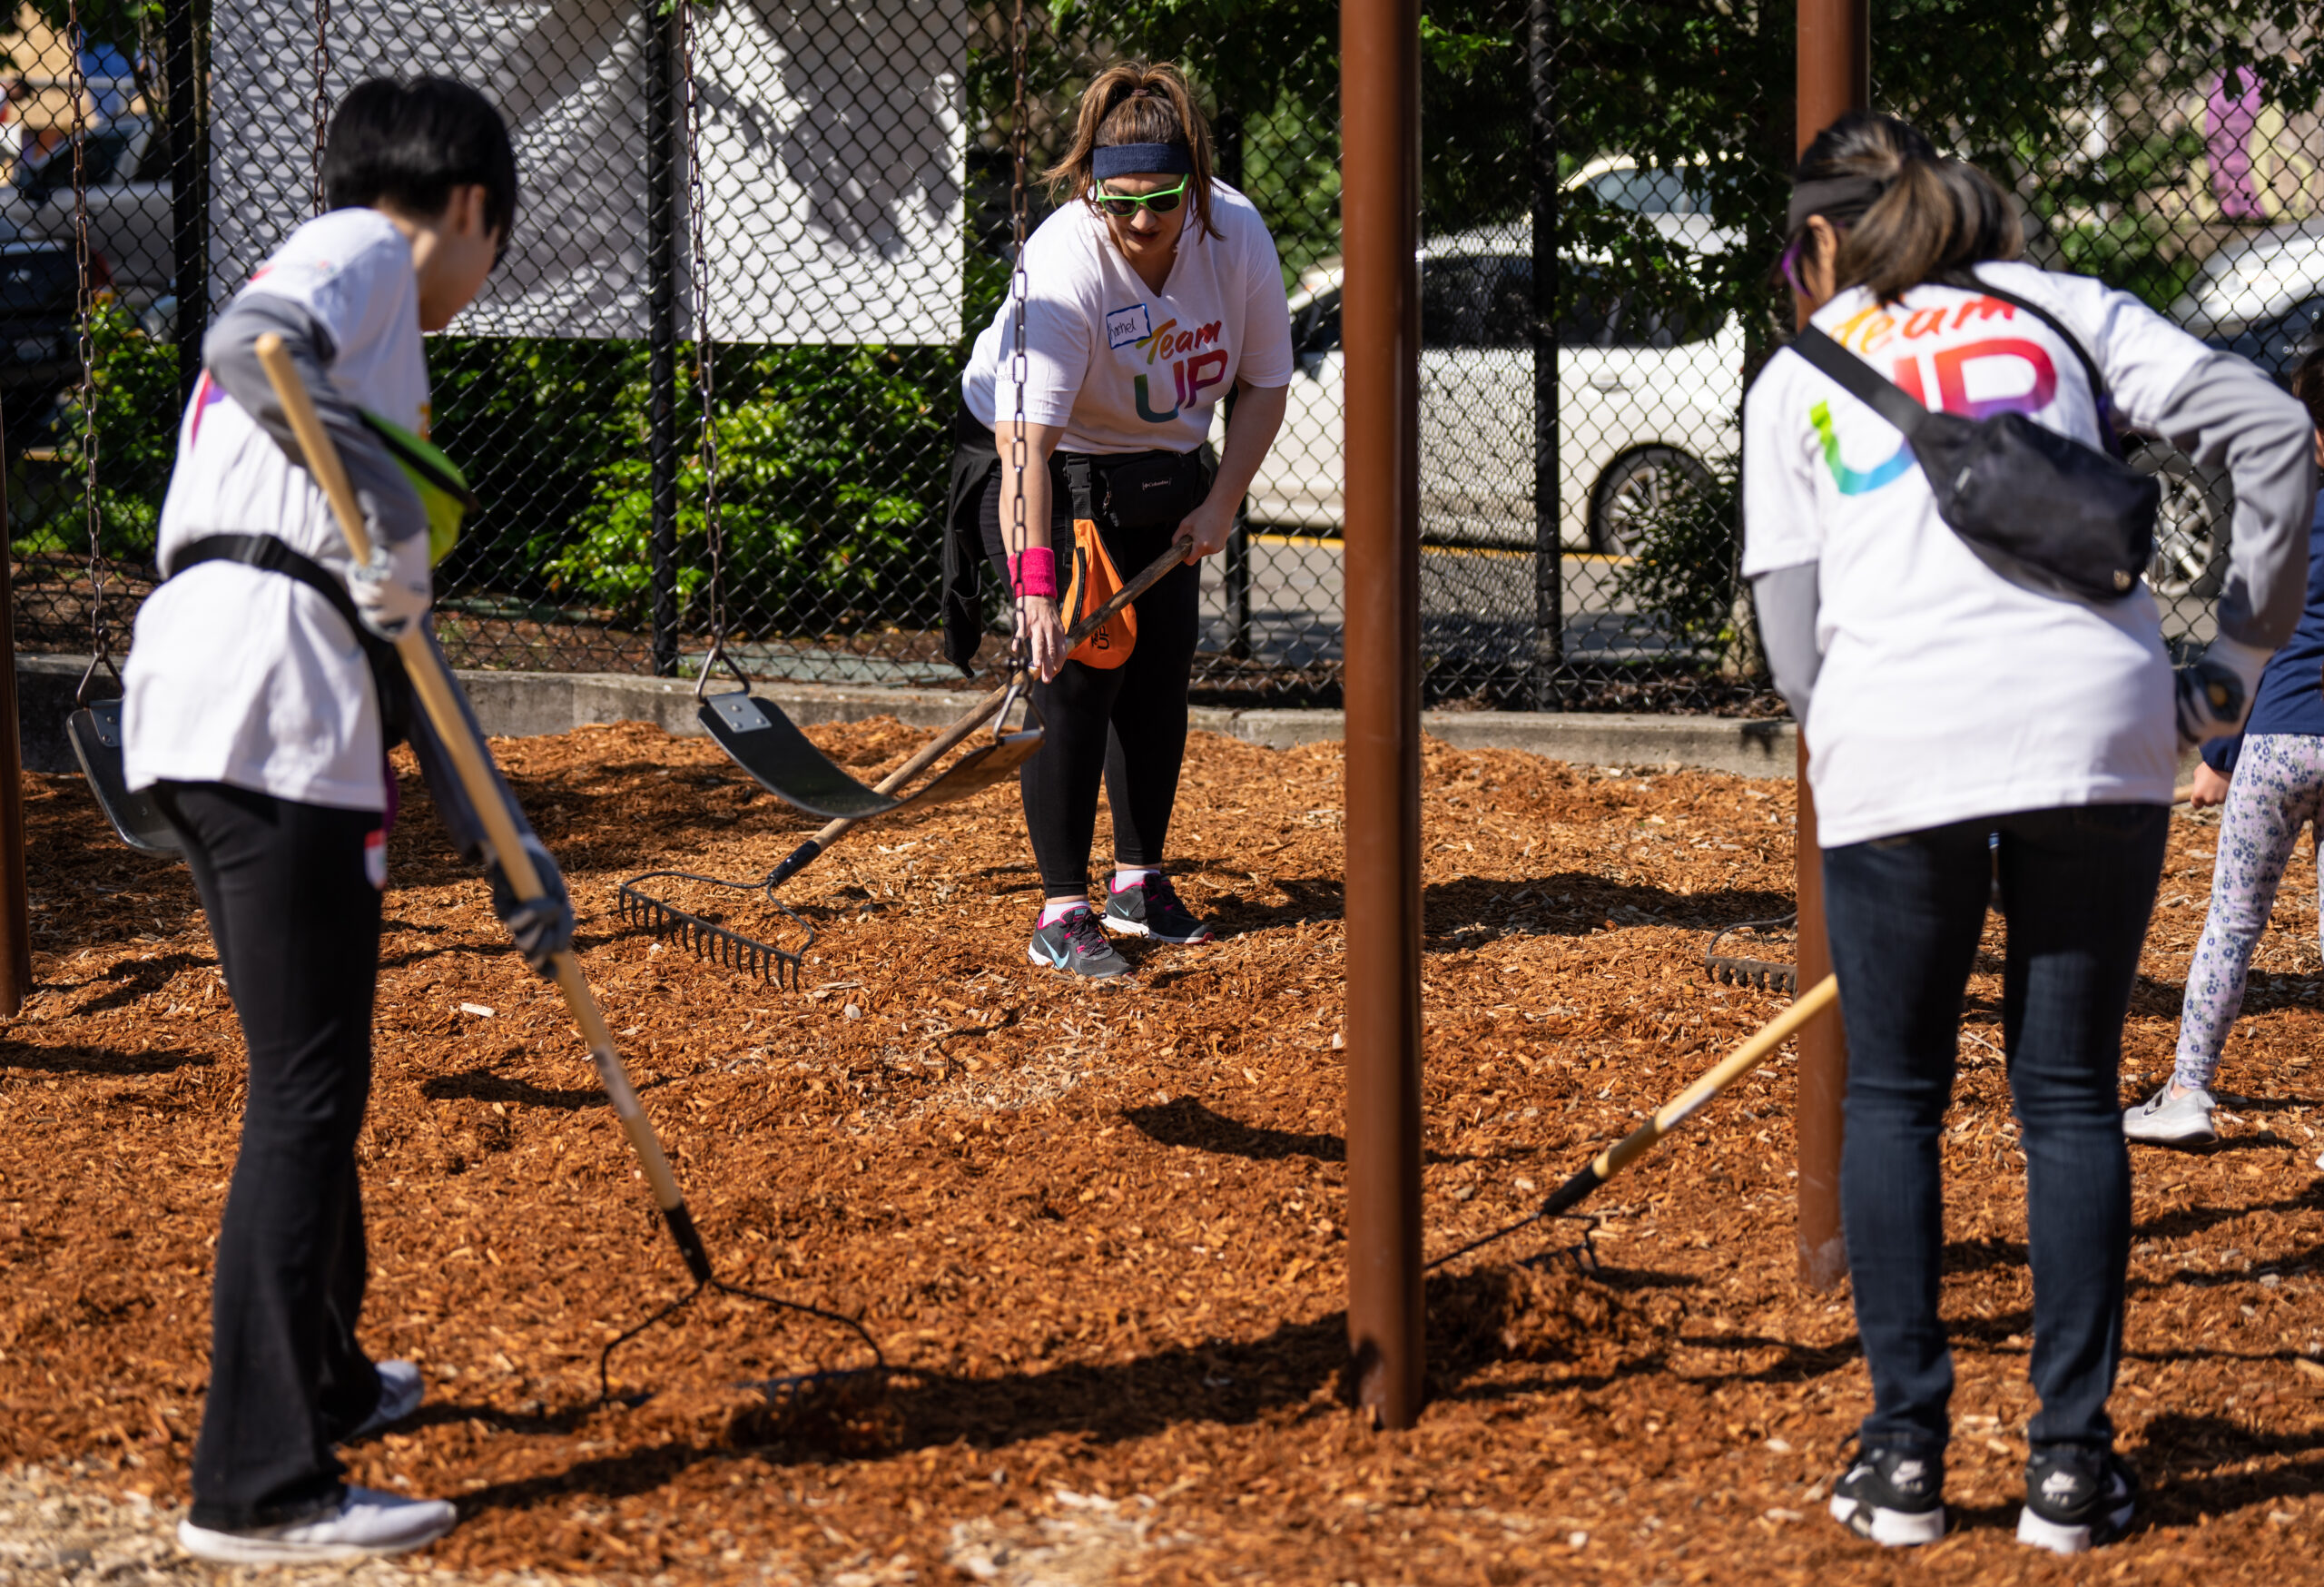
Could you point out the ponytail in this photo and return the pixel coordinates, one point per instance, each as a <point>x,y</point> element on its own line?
<point>1135,102</point>
<point>1905,213</point>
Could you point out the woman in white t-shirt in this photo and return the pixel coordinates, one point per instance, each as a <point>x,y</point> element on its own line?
<point>1945,700</point>
<point>1152,293</point>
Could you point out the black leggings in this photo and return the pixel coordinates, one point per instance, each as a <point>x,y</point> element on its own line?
<point>1127,723</point>
<point>297,924</point>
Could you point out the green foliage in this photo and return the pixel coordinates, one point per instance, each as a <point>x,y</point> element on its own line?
<point>134,402</point>
<point>1683,570</point>
<point>540,426</point>
<point>819,449</point>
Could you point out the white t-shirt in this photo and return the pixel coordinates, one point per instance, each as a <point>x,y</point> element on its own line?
<point>1948,691</point>
<point>245,676</point>
<point>1125,370</point>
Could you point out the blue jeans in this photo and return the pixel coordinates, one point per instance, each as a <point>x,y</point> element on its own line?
<point>1905,916</point>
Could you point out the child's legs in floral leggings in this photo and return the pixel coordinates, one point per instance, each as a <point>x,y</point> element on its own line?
<point>2279,781</point>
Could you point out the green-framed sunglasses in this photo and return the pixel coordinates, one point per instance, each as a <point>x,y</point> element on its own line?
<point>1126,204</point>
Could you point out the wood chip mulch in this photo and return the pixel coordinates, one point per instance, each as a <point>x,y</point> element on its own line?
<point>1099,1231</point>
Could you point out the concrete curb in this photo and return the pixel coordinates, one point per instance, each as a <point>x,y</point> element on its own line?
<point>522,704</point>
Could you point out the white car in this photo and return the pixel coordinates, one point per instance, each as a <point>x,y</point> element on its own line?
<point>1640,397</point>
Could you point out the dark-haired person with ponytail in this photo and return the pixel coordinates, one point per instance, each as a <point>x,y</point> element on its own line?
<point>1962,669</point>
<point>1149,295</point>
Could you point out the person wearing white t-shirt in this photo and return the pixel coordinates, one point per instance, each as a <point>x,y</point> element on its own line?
<point>1148,297</point>
<point>262,695</point>
<point>1946,695</point>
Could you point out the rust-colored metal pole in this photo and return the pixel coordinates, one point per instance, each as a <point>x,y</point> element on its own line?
<point>1380,304</point>
<point>1834,69</point>
<point>16,910</point>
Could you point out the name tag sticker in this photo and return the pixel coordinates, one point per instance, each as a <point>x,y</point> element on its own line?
<point>1124,326</point>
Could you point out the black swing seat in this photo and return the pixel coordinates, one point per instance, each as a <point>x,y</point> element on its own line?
<point>769,746</point>
<point>96,731</point>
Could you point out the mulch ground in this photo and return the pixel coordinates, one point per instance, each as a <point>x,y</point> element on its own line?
<point>1101,1230</point>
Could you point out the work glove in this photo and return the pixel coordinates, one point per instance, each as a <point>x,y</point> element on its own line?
<point>2213,696</point>
<point>391,590</point>
<point>543,928</point>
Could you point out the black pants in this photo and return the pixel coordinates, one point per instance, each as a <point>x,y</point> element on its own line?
<point>296,921</point>
<point>1127,725</point>
<point>1905,914</point>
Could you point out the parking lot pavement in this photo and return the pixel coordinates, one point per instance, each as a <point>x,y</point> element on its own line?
<point>1473,601</point>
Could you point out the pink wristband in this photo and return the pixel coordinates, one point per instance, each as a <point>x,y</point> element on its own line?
<point>1034,572</point>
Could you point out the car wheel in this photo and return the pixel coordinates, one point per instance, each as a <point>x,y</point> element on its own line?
<point>2191,529</point>
<point>1632,492</point>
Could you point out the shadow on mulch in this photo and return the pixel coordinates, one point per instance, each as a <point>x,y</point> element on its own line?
<point>98,1060</point>
<point>2177,1443</point>
<point>136,980</point>
<point>481,1085</point>
<point>1478,1322</point>
<point>1185,1122</point>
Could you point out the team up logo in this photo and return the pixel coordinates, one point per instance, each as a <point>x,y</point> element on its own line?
<point>1197,363</point>
<point>1875,328</point>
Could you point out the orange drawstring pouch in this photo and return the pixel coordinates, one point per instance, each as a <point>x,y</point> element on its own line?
<point>1094,582</point>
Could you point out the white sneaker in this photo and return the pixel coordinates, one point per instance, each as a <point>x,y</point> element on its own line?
<point>366,1525</point>
<point>400,1389</point>
<point>2164,1119</point>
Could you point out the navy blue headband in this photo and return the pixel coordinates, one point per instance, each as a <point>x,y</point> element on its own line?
<point>1138,159</point>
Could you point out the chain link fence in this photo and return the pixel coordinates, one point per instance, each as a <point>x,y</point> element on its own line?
<point>818,195</point>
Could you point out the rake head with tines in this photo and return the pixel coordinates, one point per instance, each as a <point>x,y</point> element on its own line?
<point>707,940</point>
<point>1735,970</point>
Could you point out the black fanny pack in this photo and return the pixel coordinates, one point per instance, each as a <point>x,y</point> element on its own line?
<point>2029,501</point>
<point>264,551</point>
<point>1136,490</point>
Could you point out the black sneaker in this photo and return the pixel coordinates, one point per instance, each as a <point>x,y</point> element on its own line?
<point>1893,1495</point>
<point>1074,942</point>
<point>2076,1498</point>
<point>1151,909</point>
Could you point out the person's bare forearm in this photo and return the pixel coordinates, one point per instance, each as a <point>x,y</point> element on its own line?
<point>1040,441</point>
<point>1250,431</point>
<point>1025,500</point>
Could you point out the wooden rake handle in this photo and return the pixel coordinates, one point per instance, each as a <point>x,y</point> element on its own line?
<point>1760,1048</point>
<point>438,696</point>
<point>944,743</point>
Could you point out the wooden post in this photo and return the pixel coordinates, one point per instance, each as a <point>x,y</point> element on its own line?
<point>1835,77</point>
<point>1380,209</point>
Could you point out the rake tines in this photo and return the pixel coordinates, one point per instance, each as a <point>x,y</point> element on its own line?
<point>1735,969</point>
<point>707,940</point>
<point>1729,970</point>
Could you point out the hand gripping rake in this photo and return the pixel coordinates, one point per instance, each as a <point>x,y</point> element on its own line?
<point>1668,1117</point>
<point>722,944</point>
<point>432,682</point>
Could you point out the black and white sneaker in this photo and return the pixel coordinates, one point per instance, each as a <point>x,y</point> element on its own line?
<point>1150,908</point>
<point>2076,1498</point>
<point>1893,1495</point>
<point>1073,942</point>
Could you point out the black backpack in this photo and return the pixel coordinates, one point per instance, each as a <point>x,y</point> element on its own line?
<point>2029,502</point>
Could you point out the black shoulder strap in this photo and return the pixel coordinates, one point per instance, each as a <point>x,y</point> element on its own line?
<point>1862,381</point>
<point>273,556</point>
<point>419,463</point>
<point>2102,398</point>
<point>264,551</point>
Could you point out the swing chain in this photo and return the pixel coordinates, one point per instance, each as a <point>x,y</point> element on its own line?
<point>321,102</point>
<point>77,83</point>
<point>1017,291</point>
<point>698,281</point>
